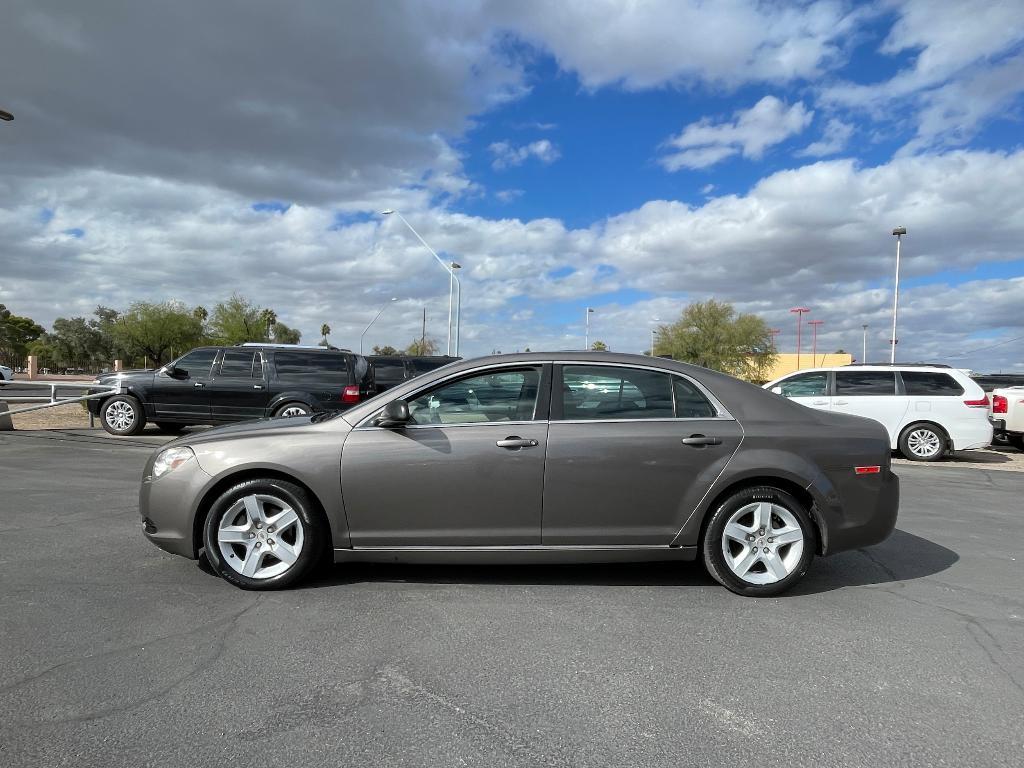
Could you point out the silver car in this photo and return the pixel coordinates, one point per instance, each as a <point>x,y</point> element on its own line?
<point>527,458</point>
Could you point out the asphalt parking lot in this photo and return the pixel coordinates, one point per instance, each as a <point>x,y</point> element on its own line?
<point>113,653</point>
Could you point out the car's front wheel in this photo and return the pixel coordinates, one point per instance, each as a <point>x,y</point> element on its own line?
<point>759,542</point>
<point>923,442</point>
<point>123,415</point>
<point>263,534</point>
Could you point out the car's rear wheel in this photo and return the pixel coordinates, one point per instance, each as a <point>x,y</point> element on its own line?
<point>293,409</point>
<point>759,542</point>
<point>263,534</point>
<point>923,442</point>
<point>122,415</point>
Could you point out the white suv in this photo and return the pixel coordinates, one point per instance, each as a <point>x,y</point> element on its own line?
<point>928,410</point>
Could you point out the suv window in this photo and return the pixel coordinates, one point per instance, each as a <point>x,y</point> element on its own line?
<point>805,385</point>
<point>610,392</point>
<point>930,383</point>
<point>299,364</point>
<point>197,362</point>
<point>504,396</point>
<point>241,364</point>
<point>855,383</point>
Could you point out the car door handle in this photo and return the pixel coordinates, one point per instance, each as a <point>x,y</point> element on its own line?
<point>701,440</point>
<point>514,442</point>
<point>257,386</point>
<point>198,384</point>
<point>840,402</point>
<point>819,402</point>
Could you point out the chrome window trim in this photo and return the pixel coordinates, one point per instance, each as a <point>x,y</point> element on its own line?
<point>364,427</point>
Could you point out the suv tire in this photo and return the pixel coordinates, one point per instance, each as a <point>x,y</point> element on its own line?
<point>743,527</point>
<point>1017,441</point>
<point>923,442</point>
<point>122,415</point>
<point>292,409</point>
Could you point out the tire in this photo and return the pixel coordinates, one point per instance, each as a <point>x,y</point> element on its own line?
<point>1017,441</point>
<point>122,415</point>
<point>170,428</point>
<point>242,544</point>
<point>741,564</point>
<point>923,442</point>
<point>292,409</point>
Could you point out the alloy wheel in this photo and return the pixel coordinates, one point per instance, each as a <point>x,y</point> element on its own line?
<point>762,542</point>
<point>924,443</point>
<point>119,415</point>
<point>260,536</point>
<point>294,410</point>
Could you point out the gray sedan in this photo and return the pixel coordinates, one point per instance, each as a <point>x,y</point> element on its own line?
<point>539,457</point>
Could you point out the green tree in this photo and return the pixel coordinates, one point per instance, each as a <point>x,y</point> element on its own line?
<point>387,349</point>
<point>77,342</point>
<point>268,319</point>
<point>599,346</point>
<point>422,346</point>
<point>155,330</point>
<point>712,335</point>
<point>325,331</point>
<point>16,334</point>
<point>285,335</point>
<point>235,321</point>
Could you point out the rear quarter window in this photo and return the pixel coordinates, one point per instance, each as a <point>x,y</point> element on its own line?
<point>931,383</point>
<point>308,366</point>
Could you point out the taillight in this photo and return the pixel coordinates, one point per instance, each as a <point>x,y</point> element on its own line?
<point>350,394</point>
<point>872,470</point>
<point>983,403</point>
<point>999,404</point>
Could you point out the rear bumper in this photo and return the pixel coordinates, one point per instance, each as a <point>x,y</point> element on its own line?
<point>860,510</point>
<point>968,437</point>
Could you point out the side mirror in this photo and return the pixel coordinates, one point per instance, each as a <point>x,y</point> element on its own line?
<point>395,414</point>
<point>777,390</point>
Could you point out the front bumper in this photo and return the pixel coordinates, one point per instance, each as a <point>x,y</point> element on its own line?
<point>168,507</point>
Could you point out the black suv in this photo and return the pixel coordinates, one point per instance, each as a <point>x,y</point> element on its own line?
<point>392,370</point>
<point>219,385</point>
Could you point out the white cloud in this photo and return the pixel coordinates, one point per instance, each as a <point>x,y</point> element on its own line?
<point>704,143</point>
<point>508,195</point>
<point>834,140</point>
<point>507,155</point>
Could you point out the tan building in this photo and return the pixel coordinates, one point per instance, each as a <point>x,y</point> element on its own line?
<point>785,362</point>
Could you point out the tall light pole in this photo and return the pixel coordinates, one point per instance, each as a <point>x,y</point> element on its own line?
<point>587,343</point>
<point>799,312</point>
<point>379,313</point>
<point>864,344</point>
<point>772,333</point>
<point>455,284</point>
<point>450,270</point>
<point>898,232</point>
<point>814,344</point>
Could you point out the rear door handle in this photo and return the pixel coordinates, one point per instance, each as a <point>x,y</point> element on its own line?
<point>257,386</point>
<point>198,384</point>
<point>514,442</point>
<point>819,402</point>
<point>701,440</point>
<point>840,402</point>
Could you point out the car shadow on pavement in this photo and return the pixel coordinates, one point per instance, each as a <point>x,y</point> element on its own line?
<point>902,557</point>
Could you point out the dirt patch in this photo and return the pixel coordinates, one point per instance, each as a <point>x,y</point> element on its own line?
<point>71,416</point>
<point>987,458</point>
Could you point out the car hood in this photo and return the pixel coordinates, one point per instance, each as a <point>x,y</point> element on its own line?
<point>139,374</point>
<point>266,428</point>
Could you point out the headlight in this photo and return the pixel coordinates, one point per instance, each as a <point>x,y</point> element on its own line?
<point>170,459</point>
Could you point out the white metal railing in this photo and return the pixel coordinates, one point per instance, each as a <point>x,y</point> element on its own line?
<point>52,400</point>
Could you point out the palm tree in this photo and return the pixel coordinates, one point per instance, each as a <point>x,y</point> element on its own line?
<point>325,330</point>
<point>269,318</point>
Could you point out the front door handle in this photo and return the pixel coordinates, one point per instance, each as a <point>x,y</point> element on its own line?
<point>840,402</point>
<point>701,440</point>
<point>198,384</point>
<point>257,386</point>
<point>819,402</point>
<point>514,443</point>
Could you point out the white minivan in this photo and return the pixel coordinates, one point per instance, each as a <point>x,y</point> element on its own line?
<point>928,410</point>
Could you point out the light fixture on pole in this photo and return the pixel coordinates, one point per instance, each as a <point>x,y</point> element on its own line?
<point>6,116</point>
<point>587,343</point>
<point>864,344</point>
<point>898,232</point>
<point>379,313</point>
<point>814,344</point>
<point>799,312</point>
<point>447,268</point>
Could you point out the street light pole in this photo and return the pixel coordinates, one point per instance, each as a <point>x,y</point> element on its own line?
<point>799,312</point>
<point>587,343</point>
<point>864,344</point>
<point>450,270</point>
<point>898,232</point>
<point>458,306</point>
<point>379,313</point>
<point>773,332</point>
<point>814,344</point>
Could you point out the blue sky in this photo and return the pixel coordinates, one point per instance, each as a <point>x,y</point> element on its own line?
<point>631,157</point>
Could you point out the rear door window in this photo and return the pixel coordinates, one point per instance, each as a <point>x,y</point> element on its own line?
<point>858,383</point>
<point>595,392</point>
<point>241,364</point>
<point>930,383</point>
<point>302,365</point>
